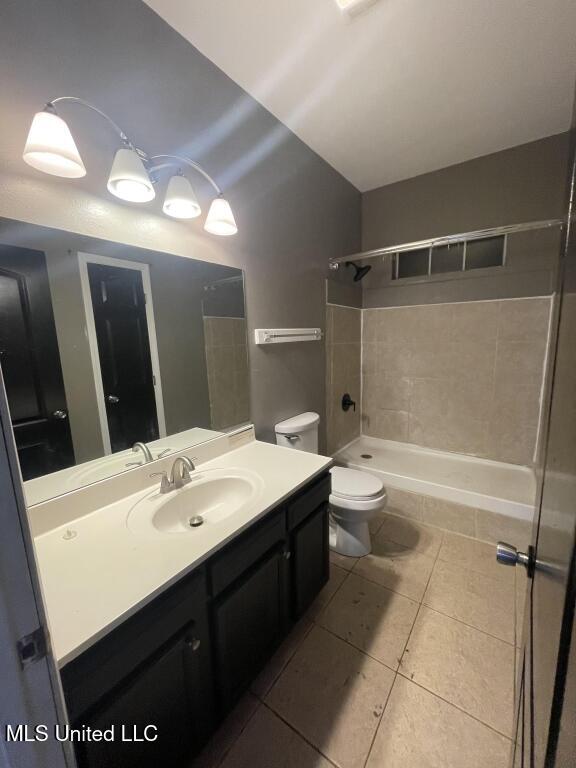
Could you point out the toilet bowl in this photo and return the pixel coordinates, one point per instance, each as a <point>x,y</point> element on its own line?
<point>356,496</point>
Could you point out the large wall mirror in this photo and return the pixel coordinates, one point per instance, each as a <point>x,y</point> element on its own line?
<point>113,355</point>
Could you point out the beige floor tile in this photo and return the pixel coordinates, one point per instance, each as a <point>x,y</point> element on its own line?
<point>337,576</point>
<point>227,734</point>
<point>418,729</point>
<point>476,555</point>
<point>475,598</point>
<point>334,695</point>
<point>373,618</point>
<point>376,523</point>
<point>267,742</point>
<point>423,538</point>
<point>347,563</point>
<point>464,666</point>
<point>396,567</point>
<point>272,670</point>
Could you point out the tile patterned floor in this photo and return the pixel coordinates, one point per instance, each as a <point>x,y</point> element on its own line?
<point>406,659</point>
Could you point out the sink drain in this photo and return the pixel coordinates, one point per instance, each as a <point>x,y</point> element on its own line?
<point>366,456</point>
<point>196,521</point>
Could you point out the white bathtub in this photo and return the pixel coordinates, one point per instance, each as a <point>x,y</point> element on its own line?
<point>506,489</point>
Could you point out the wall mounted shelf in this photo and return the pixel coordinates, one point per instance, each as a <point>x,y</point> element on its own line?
<point>284,335</point>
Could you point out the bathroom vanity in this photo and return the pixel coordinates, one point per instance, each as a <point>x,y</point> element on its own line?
<point>169,628</point>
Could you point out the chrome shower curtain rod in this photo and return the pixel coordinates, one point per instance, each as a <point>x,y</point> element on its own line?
<point>432,242</point>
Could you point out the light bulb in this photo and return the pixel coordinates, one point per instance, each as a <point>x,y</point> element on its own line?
<point>220,219</point>
<point>51,149</point>
<point>180,201</point>
<point>129,179</point>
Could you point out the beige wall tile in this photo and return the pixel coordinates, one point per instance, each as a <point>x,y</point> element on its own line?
<point>346,325</point>
<point>464,666</point>
<point>459,377</point>
<point>476,321</point>
<point>449,515</point>
<point>404,503</point>
<point>525,320</point>
<point>388,425</point>
<point>492,527</point>
<point>420,729</point>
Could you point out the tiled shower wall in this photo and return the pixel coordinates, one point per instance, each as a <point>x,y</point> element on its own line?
<point>227,366</point>
<point>457,377</point>
<point>343,353</point>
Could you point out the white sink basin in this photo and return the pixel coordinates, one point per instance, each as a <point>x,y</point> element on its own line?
<point>211,497</point>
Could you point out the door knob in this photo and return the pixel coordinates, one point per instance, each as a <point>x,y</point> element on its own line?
<point>59,414</point>
<point>113,399</point>
<point>506,554</point>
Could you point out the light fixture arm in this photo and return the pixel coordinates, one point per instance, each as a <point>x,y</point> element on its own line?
<point>75,100</point>
<point>179,160</point>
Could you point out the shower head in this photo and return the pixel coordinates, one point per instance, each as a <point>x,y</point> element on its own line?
<point>359,272</point>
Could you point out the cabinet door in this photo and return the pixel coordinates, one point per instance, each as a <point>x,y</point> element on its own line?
<point>249,622</point>
<point>310,559</point>
<point>166,693</point>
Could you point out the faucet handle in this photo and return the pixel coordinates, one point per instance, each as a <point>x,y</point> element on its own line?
<point>165,485</point>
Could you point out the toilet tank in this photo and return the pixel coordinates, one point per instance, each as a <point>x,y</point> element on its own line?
<point>299,432</point>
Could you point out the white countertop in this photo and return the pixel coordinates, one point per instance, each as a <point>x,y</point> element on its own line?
<point>106,572</point>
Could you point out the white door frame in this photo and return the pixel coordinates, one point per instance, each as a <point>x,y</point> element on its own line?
<point>30,694</point>
<point>91,258</point>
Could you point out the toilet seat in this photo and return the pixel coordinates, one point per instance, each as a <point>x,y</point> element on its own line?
<point>355,485</point>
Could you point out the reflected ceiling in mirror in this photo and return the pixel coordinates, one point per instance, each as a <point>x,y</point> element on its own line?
<point>113,356</point>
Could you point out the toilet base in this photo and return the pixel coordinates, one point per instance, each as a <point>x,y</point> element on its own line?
<point>351,539</point>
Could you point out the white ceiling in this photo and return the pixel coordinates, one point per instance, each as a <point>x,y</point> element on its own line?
<point>406,87</point>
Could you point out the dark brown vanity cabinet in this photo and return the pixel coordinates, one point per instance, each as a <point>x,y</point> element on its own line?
<point>181,662</point>
<point>153,670</point>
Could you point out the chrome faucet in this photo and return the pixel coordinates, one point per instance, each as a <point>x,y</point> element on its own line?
<point>179,475</point>
<point>145,450</point>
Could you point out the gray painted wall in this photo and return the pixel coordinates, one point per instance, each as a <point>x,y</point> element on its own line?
<point>293,210</point>
<point>521,184</point>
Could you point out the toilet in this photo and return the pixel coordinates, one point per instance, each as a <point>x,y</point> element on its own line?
<point>356,496</point>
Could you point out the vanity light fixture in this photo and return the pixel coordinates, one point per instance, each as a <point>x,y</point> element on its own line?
<point>353,7</point>
<point>50,148</point>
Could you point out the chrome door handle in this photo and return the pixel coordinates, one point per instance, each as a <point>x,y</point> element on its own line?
<point>113,399</point>
<point>59,414</point>
<point>506,554</point>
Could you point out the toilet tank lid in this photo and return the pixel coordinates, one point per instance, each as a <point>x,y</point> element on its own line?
<point>301,423</point>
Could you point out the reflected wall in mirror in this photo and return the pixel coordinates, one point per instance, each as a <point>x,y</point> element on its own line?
<point>114,355</point>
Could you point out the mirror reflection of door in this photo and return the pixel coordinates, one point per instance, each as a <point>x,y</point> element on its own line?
<point>31,364</point>
<point>122,325</point>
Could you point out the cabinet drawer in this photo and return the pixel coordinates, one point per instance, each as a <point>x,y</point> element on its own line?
<point>111,660</point>
<point>242,554</point>
<point>308,500</point>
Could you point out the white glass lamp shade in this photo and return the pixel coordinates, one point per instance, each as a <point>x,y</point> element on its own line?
<point>180,201</point>
<point>50,147</point>
<point>220,219</point>
<point>129,179</point>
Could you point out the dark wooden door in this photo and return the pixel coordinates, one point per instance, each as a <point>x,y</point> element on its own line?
<point>119,306</point>
<point>31,364</point>
<point>310,559</point>
<point>249,622</point>
<point>548,686</point>
<point>167,693</point>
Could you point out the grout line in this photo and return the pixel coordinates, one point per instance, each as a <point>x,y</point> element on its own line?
<point>466,624</point>
<point>299,733</point>
<point>355,647</point>
<point>451,704</point>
